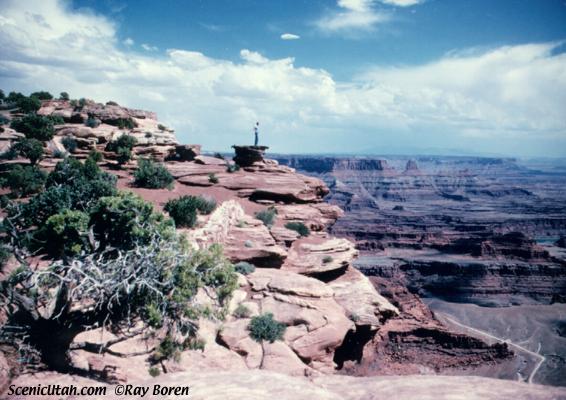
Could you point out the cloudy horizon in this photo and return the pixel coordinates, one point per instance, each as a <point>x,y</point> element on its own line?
<point>346,76</point>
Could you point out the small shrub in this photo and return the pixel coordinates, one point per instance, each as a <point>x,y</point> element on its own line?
<point>23,181</point>
<point>152,175</point>
<point>327,259</point>
<point>92,122</point>
<point>264,327</point>
<point>56,119</point>
<point>95,156</point>
<point>69,143</point>
<point>205,205</point>
<point>212,178</point>
<point>184,209</point>
<point>248,244</point>
<point>161,127</point>
<point>167,349</point>
<point>35,127</point>
<point>58,154</point>
<point>267,216</point>
<point>124,123</point>
<point>148,135</point>
<point>219,156</point>
<point>244,268</point>
<point>65,233</point>
<point>111,103</point>
<point>28,104</point>
<point>298,227</point>
<point>242,311</point>
<point>231,168</point>
<point>154,371</point>
<point>183,213</point>
<point>241,224</point>
<point>64,96</point>
<point>122,147</point>
<point>4,120</point>
<point>31,149</point>
<point>154,316</point>
<point>82,102</point>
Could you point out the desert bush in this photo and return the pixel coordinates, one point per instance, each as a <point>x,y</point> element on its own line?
<point>327,259</point>
<point>64,96</point>
<point>298,227</point>
<point>264,327</point>
<point>184,209</point>
<point>23,181</point>
<point>69,143</point>
<point>122,221</point>
<point>92,122</point>
<point>267,216</point>
<point>154,371</point>
<point>71,185</point>
<point>28,105</point>
<point>183,212</point>
<point>244,268</point>
<point>219,156</point>
<point>212,178</point>
<point>242,311</point>
<point>161,127</point>
<point>42,95</point>
<point>4,120</point>
<point>35,127</point>
<point>122,147</point>
<point>152,175</point>
<point>111,103</point>
<point>31,149</point>
<point>123,123</point>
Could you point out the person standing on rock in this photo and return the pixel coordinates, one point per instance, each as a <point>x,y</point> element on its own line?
<point>256,133</point>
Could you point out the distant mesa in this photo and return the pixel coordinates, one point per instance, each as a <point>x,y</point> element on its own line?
<point>412,168</point>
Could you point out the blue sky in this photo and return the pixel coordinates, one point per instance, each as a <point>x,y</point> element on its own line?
<point>354,76</point>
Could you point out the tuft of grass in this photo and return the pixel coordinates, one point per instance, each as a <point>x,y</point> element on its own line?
<point>244,268</point>
<point>212,178</point>
<point>242,311</point>
<point>267,216</point>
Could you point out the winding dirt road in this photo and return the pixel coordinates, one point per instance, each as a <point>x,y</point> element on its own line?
<point>541,359</point>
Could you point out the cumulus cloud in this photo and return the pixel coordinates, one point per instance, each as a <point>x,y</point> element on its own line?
<point>508,96</point>
<point>290,36</point>
<point>148,47</point>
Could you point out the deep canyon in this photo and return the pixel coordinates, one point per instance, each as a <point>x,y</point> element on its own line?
<point>475,244</point>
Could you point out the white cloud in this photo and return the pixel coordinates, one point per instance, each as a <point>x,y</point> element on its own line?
<point>128,41</point>
<point>352,15</point>
<point>496,100</point>
<point>402,3</point>
<point>148,47</point>
<point>290,36</point>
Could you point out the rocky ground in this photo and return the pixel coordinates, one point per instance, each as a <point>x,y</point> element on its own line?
<point>338,320</point>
